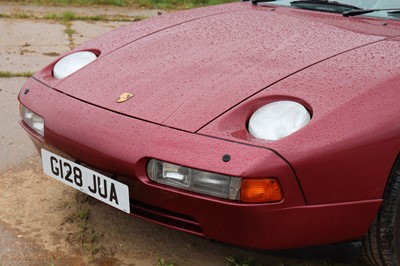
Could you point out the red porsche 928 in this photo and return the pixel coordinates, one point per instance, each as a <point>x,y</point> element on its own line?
<point>263,124</point>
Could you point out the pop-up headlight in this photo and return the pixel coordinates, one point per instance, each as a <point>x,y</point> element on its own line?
<point>72,63</point>
<point>278,120</point>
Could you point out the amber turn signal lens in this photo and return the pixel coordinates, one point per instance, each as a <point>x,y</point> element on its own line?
<point>260,191</point>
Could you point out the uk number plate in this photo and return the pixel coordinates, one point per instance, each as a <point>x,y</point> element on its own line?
<point>86,180</point>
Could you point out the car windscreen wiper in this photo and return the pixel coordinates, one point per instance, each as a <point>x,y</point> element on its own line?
<point>324,5</point>
<point>254,2</point>
<point>394,14</point>
<point>357,12</point>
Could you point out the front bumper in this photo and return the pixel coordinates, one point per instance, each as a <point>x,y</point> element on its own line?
<point>123,145</point>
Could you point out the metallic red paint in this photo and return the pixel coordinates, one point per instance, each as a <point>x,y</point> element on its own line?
<point>354,100</point>
<point>197,76</point>
<point>209,64</point>
<point>96,140</point>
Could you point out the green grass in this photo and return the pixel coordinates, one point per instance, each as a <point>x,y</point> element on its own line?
<point>84,2</point>
<point>86,234</point>
<point>7,74</point>
<point>162,262</point>
<point>18,15</point>
<point>234,261</point>
<point>70,32</point>
<point>49,262</point>
<point>162,4</point>
<point>178,4</point>
<point>82,214</point>
<point>70,16</point>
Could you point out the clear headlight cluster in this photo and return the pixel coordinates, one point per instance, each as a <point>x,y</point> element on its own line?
<point>33,120</point>
<point>72,63</point>
<point>277,120</point>
<point>222,186</point>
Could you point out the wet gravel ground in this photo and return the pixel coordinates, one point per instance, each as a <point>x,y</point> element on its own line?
<point>26,45</point>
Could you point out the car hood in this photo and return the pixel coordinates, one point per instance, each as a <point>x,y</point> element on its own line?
<point>185,75</point>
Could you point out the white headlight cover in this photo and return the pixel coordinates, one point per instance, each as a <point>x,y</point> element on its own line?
<point>277,120</point>
<point>72,63</point>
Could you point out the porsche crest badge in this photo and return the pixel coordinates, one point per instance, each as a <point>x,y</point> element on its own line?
<point>124,97</point>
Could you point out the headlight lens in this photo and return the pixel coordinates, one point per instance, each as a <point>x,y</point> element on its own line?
<point>247,190</point>
<point>33,120</point>
<point>72,63</point>
<point>222,186</point>
<point>277,120</point>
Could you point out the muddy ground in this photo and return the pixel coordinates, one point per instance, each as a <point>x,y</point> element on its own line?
<point>44,222</point>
